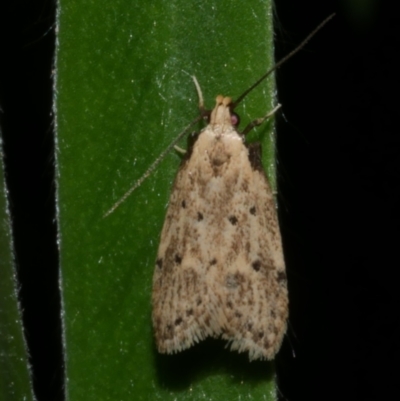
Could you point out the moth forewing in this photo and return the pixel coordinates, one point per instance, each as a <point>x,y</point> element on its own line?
<point>220,270</point>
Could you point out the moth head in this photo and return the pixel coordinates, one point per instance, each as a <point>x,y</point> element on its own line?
<point>223,112</point>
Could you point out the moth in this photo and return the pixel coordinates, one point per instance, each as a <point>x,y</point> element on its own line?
<point>220,269</point>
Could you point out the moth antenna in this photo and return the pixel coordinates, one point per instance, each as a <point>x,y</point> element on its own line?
<point>280,62</point>
<point>153,166</point>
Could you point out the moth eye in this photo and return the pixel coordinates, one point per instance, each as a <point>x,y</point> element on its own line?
<point>235,119</point>
<point>206,115</point>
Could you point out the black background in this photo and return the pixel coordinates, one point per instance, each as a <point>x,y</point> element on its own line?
<point>338,169</point>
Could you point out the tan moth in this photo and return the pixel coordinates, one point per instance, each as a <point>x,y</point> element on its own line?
<point>220,269</point>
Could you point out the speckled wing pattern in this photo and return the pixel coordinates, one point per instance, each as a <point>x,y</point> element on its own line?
<point>220,269</point>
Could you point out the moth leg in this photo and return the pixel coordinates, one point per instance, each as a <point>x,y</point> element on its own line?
<point>259,121</point>
<point>180,150</point>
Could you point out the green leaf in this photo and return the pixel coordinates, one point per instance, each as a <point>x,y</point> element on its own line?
<point>123,92</point>
<point>15,382</point>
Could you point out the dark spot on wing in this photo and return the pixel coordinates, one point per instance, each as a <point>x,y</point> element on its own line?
<point>178,259</point>
<point>233,220</point>
<point>191,140</point>
<point>169,331</point>
<point>256,265</point>
<point>253,210</point>
<point>255,156</point>
<point>178,321</point>
<point>183,204</point>
<point>159,263</point>
<point>282,277</point>
<point>199,216</point>
<point>232,281</point>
